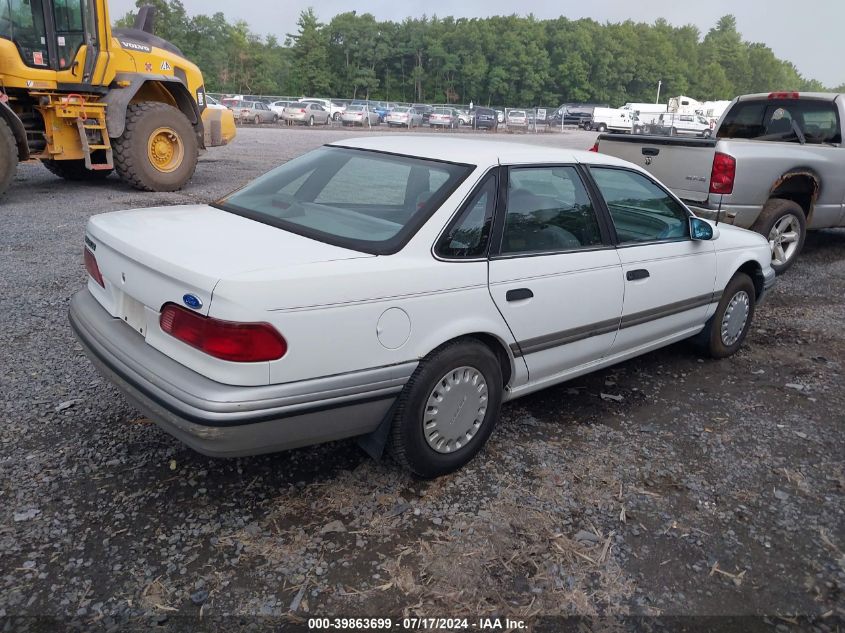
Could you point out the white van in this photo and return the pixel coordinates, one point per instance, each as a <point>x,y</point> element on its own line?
<point>644,115</point>
<point>684,124</point>
<point>611,120</point>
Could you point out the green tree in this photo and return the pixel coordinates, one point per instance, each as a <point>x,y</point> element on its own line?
<point>309,49</point>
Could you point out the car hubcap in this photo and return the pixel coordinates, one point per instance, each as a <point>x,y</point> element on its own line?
<point>455,409</point>
<point>783,239</point>
<point>165,150</point>
<point>735,317</point>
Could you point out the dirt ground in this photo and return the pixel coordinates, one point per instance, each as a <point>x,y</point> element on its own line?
<point>670,485</point>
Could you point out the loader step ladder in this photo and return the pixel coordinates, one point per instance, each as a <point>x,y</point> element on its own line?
<point>83,125</point>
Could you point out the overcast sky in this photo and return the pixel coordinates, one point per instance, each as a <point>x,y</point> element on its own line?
<point>807,33</point>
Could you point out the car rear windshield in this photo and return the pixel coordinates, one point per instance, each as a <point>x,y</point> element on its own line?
<point>355,108</point>
<point>359,199</point>
<point>797,120</point>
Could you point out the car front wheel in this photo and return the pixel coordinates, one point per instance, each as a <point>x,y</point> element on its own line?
<point>448,409</point>
<point>727,328</point>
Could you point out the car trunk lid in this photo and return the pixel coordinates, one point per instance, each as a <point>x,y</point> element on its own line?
<point>149,257</point>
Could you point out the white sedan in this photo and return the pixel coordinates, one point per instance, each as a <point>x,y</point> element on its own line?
<point>401,290</point>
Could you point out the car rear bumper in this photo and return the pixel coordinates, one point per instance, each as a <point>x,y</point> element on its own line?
<point>225,420</point>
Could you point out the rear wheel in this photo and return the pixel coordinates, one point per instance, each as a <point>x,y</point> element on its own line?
<point>783,223</point>
<point>158,149</point>
<point>8,156</point>
<point>601,127</point>
<point>448,409</point>
<point>311,121</point>
<point>76,170</point>
<point>727,328</point>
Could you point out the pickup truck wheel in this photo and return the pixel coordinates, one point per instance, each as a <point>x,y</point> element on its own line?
<point>8,156</point>
<point>783,223</point>
<point>448,409</point>
<point>726,330</point>
<point>602,127</point>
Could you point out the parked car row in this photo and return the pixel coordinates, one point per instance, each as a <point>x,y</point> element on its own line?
<point>369,113</point>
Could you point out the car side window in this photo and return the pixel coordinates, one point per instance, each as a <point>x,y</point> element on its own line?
<point>469,233</point>
<point>548,210</point>
<point>641,211</point>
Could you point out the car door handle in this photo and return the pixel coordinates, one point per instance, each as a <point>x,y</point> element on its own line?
<point>639,273</point>
<point>650,151</point>
<point>519,294</point>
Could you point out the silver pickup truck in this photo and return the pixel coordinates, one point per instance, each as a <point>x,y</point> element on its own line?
<point>775,166</point>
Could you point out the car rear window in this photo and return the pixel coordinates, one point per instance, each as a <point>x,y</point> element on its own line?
<point>359,199</point>
<point>783,120</point>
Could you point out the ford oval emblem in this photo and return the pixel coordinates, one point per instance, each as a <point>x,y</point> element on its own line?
<point>192,301</point>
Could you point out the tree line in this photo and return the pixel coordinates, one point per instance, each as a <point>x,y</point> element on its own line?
<point>499,60</point>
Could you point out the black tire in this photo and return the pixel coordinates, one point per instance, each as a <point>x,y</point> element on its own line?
<point>710,340</point>
<point>131,156</point>
<point>408,444</point>
<point>275,119</point>
<point>311,121</point>
<point>336,116</point>
<point>256,120</point>
<point>75,170</point>
<point>601,127</point>
<point>706,134</point>
<point>775,211</point>
<point>8,156</point>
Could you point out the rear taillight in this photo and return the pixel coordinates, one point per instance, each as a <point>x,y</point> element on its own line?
<point>594,148</point>
<point>302,110</point>
<point>92,268</point>
<point>783,95</point>
<point>723,174</point>
<point>227,340</point>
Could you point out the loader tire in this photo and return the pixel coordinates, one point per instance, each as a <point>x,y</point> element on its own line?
<point>8,156</point>
<point>76,170</point>
<point>158,150</point>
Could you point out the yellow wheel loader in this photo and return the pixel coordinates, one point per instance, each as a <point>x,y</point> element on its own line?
<point>86,99</point>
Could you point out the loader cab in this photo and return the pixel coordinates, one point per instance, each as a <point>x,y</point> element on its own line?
<point>49,35</point>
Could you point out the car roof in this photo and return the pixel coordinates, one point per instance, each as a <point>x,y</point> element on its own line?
<point>480,152</point>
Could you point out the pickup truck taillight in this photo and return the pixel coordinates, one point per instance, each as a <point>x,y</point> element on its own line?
<point>723,174</point>
<point>227,340</point>
<point>594,148</point>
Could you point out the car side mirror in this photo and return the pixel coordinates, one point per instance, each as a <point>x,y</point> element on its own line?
<point>702,230</point>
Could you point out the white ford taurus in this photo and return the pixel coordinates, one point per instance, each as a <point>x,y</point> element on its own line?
<point>401,289</point>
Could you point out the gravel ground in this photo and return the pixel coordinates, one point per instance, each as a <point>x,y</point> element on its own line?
<point>706,487</point>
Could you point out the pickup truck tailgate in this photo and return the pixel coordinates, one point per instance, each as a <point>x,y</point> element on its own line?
<point>682,164</point>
